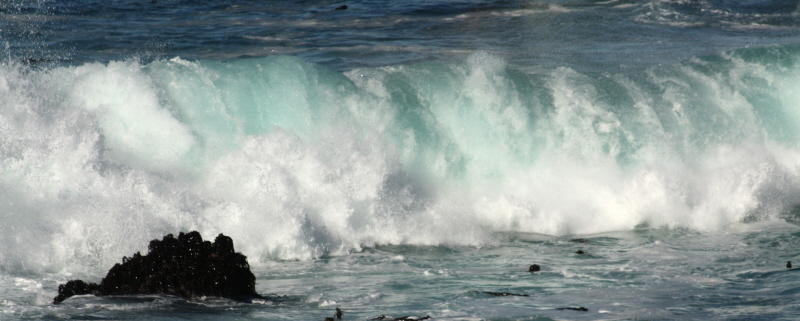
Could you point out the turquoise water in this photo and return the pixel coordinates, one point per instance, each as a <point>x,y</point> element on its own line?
<point>406,158</point>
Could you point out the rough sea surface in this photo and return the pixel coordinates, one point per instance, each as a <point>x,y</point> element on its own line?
<point>408,157</point>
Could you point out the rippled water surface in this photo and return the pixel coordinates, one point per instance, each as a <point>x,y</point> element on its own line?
<point>643,274</point>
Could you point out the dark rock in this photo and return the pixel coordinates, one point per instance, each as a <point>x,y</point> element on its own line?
<point>582,309</point>
<point>74,287</point>
<point>504,294</point>
<point>342,7</point>
<point>185,266</point>
<point>405,318</point>
<point>788,264</point>
<point>337,315</point>
<point>534,268</point>
<point>580,252</point>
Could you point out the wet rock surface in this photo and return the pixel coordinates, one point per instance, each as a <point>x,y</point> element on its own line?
<point>186,266</point>
<point>74,287</point>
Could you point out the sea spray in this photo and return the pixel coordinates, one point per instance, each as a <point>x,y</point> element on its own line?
<point>297,161</point>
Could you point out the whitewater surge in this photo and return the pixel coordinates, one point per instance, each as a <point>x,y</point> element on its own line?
<point>294,160</point>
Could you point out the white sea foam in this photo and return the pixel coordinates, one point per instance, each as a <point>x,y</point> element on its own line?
<point>295,161</point>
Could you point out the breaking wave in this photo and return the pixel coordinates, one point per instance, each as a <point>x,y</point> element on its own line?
<point>295,161</point>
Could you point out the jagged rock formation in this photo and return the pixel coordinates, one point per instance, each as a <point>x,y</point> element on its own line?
<point>185,266</point>
<point>74,287</point>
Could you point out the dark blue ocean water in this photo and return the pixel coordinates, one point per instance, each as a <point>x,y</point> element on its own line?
<point>588,35</point>
<point>407,157</point>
